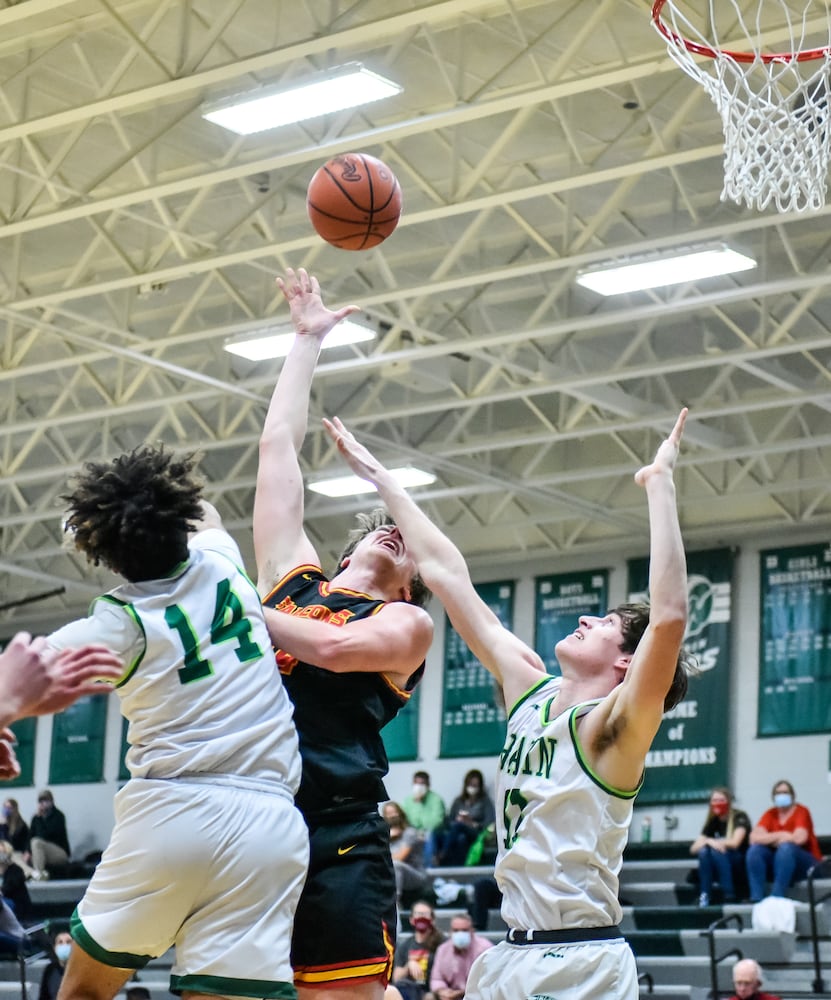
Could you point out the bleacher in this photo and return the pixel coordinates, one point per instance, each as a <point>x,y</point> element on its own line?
<point>675,941</point>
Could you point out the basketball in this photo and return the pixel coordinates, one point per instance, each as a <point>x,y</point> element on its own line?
<point>354,201</point>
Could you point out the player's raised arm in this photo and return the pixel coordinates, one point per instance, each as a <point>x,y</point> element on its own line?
<point>444,571</point>
<point>634,710</point>
<point>280,542</point>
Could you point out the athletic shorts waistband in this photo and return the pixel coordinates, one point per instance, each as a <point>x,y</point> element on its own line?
<point>238,782</point>
<point>573,935</point>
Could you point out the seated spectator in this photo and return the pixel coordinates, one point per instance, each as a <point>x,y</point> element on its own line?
<point>469,814</point>
<point>486,897</point>
<point>53,973</point>
<point>454,959</point>
<point>747,980</point>
<point>721,847</point>
<point>14,889</point>
<point>413,962</point>
<point>138,993</point>
<point>783,845</point>
<point>425,811</point>
<point>16,832</point>
<point>407,849</point>
<point>50,844</point>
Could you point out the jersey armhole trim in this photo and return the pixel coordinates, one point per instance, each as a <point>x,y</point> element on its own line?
<point>584,764</point>
<point>292,573</point>
<point>131,611</point>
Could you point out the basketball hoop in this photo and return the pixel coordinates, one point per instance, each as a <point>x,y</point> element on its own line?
<point>774,105</point>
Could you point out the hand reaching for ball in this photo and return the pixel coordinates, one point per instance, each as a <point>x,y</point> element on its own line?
<point>308,313</point>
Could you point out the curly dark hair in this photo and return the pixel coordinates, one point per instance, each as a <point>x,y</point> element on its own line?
<point>134,512</point>
<point>634,618</point>
<point>378,517</point>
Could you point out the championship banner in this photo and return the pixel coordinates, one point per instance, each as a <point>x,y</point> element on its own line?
<point>400,735</point>
<point>794,641</point>
<point>559,601</point>
<point>78,742</point>
<point>689,753</point>
<point>473,719</point>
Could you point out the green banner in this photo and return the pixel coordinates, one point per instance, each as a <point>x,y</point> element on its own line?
<point>401,734</point>
<point>689,754</point>
<point>24,731</point>
<point>78,742</point>
<point>473,721</point>
<point>795,640</point>
<point>559,601</point>
<point>123,770</point>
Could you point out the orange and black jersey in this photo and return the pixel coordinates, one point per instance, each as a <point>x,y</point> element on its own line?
<point>339,717</point>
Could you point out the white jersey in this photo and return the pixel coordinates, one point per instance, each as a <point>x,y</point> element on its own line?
<point>561,830</point>
<point>202,692</point>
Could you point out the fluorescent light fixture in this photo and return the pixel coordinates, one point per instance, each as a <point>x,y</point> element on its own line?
<point>340,88</point>
<point>348,486</point>
<point>671,269</point>
<point>276,344</point>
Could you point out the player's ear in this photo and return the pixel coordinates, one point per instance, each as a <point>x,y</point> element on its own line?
<point>621,665</point>
<point>406,593</point>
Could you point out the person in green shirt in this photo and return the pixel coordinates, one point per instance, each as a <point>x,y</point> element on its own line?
<point>425,812</point>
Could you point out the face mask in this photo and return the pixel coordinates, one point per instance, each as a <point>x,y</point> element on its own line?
<point>782,800</point>
<point>62,951</point>
<point>422,924</point>
<point>460,939</point>
<point>471,791</point>
<point>720,808</point>
<point>419,791</point>
<point>6,812</point>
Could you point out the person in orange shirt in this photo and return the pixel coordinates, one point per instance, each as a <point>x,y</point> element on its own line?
<point>783,845</point>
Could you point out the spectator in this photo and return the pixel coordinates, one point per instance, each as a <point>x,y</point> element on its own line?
<point>49,842</point>
<point>413,962</point>
<point>137,993</point>
<point>470,813</point>
<point>53,973</point>
<point>454,958</point>
<point>721,847</point>
<point>747,980</point>
<point>783,845</point>
<point>486,897</point>
<point>407,850</point>
<point>14,889</point>
<point>15,830</point>
<point>425,811</point>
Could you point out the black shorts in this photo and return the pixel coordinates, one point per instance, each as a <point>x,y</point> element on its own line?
<point>344,928</point>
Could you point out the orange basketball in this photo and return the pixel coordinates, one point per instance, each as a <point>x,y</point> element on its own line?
<point>354,201</point>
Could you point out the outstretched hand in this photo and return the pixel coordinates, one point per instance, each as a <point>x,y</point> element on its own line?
<point>308,313</point>
<point>666,455</point>
<point>37,680</point>
<point>9,766</point>
<point>359,459</point>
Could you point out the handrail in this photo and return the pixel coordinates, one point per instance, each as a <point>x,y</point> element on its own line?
<point>711,941</point>
<point>822,867</point>
<point>646,978</point>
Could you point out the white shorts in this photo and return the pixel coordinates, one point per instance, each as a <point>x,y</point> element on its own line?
<point>596,970</point>
<point>211,868</point>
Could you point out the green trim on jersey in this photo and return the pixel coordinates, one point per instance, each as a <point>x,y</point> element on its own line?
<point>114,959</point>
<point>131,611</point>
<point>225,986</point>
<point>534,687</point>
<point>581,760</point>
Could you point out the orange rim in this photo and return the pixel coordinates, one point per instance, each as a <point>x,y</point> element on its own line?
<point>742,57</point>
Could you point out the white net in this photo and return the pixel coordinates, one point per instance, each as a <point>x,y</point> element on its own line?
<point>775,115</point>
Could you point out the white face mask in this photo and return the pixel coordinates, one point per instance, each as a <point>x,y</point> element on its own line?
<point>460,939</point>
<point>471,791</point>
<point>419,791</point>
<point>62,951</point>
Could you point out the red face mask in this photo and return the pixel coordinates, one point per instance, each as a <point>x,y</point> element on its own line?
<point>720,808</point>
<point>422,924</point>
